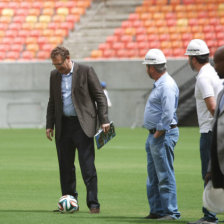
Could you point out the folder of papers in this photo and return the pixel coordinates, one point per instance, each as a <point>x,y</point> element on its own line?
<point>102,138</point>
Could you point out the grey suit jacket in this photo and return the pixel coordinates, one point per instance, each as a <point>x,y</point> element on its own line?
<point>220,134</point>
<point>87,96</point>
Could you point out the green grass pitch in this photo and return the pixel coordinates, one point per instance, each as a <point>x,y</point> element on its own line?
<point>29,180</point>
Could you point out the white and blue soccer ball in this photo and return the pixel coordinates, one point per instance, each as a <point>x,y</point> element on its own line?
<point>68,203</point>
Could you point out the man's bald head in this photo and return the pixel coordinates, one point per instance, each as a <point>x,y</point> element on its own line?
<point>219,61</point>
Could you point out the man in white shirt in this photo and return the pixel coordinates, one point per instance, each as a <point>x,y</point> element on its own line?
<point>207,87</point>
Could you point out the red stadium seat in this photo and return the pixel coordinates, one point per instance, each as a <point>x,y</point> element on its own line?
<point>2,55</point>
<point>28,55</point>
<point>43,55</point>
<point>109,53</point>
<point>12,55</point>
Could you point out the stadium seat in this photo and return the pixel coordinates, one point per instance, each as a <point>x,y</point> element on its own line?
<point>175,37</point>
<point>19,19</point>
<point>2,55</point>
<point>11,33</point>
<point>176,44</point>
<point>220,35</point>
<point>7,12</point>
<point>27,55</point>
<point>21,12</point>
<point>142,52</point>
<point>19,40</point>
<point>164,37</point>
<point>15,26</point>
<point>5,19</point>
<point>16,47</point>
<point>7,40</point>
<point>25,4</point>
<point>109,53</point>
<point>178,52</point>
<point>199,36</point>
<point>55,40</point>
<point>43,55</point>
<point>44,18</point>
<point>34,12</point>
<point>155,44</point>
<point>161,2</point>
<point>219,28</point>
<point>40,25</point>
<point>168,52</point>
<point>49,4</point>
<point>127,38</point>
<point>174,2</point>
<point>118,32</point>
<point>96,54</point>
<point>210,36</point>
<point>4,47</point>
<point>104,46</point>
<point>187,36</point>
<point>48,11</point>
<point>121,53</point>
<point>111,39</point>
<point>32,47</point>
<point>63,11</point>
<point>118,45</point>
<point>208,28</point>
<point>166,8</point>
<point>2,33</point>
<point>77,11</point>
<point>61,32</point>
<point>58,18</point>
<point>73,18</point>
<point>31,40</point>
<point>133,16</point>
<point>139,38</point>
<point>12,55</point>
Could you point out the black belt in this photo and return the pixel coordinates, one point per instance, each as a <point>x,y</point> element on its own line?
<point>153,131</point>
<point>70,117</point>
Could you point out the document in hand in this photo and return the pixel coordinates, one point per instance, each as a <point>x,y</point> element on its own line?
<point>102,138</point>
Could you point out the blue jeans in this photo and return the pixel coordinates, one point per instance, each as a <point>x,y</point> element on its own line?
<point>161,183</point>
<point>205,150</point>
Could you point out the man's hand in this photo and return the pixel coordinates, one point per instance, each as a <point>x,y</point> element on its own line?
<point>105,127</point>
<point>158,134</point>
<point>50,134</point>
<point>208,177</point>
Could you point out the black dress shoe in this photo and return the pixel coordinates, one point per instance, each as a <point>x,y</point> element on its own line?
<point>94,210</point>
<point>153,216</point>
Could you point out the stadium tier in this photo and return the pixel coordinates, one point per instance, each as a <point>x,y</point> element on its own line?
<point>30,29</point>
<point>168,25</point>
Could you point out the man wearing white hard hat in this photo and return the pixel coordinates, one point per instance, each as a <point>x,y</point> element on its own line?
<point>161,121</point>
<point>207,87</point>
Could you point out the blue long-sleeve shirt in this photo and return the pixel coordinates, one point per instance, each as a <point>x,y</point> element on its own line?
<point>160,109</point>
<point>66,88</point>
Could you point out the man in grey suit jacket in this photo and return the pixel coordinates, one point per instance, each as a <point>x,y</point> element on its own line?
<point>75,104</point>
<point>217,150</point>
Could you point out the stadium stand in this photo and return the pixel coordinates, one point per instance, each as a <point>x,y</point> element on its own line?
<point>173,22</point>
<point>108,29</point>
<point>32,28</point>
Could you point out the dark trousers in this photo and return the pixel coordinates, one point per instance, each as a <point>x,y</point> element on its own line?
<point>73,138</point>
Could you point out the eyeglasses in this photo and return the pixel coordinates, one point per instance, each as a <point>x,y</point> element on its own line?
<point>60,64</point>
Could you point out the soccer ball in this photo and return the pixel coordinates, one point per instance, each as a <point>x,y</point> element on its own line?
<point>67,203</point>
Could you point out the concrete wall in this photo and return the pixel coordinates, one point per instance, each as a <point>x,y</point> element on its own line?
<point>24,89</point>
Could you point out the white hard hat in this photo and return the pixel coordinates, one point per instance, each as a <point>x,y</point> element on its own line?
<point>197,47</point>
<point>154,56</point>
<point>213,198</point>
